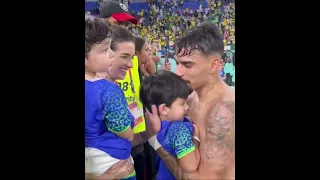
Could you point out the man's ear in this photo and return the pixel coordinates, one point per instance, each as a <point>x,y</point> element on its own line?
<point>214,65</point>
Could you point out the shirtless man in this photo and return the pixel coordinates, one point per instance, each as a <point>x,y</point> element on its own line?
<point>212,108</point>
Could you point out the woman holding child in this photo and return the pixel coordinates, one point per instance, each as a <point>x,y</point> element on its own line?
<point>108,121</point>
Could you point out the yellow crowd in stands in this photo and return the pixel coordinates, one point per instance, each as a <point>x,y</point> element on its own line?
<point>165,24</point>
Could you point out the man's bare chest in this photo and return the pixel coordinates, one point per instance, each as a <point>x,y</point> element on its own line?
<point>198,113</point>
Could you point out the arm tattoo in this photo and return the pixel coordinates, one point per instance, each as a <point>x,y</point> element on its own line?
<point>220,136</point>
<point>172,164</point>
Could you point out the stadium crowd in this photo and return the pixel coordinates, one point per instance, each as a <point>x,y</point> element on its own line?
<point>166,20</point>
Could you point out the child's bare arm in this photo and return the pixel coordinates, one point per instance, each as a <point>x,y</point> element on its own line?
<point>187,151</point>
<point>190,162</point>
<point>127,134</point>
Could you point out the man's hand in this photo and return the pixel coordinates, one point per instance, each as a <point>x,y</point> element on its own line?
<point>152,121</point>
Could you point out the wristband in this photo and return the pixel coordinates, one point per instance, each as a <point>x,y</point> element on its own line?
<point>196,138</point>
<point>154,143</point>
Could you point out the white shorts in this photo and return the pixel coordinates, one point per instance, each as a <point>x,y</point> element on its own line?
<point>97,162</point>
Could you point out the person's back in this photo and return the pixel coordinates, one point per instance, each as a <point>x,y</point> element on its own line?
<point>222,73</point>
<point>228,67</point>
<point>233,79</point>
<point>178,136</point>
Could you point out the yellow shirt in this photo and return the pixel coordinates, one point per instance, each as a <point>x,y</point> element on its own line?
<point>134,97</point>
<point>224,23</point>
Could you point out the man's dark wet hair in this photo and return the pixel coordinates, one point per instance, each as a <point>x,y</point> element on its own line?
<point>163,87</point>
<point>120,35</point>
<point>206,38</point>
<point>96,31</point>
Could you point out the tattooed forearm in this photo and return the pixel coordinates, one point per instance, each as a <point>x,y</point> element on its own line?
<point>172,164</point>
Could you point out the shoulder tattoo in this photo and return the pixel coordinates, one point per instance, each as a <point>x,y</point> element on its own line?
<point>220,131</point>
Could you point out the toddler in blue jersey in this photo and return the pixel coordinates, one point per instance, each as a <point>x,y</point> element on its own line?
<point>108,127</point>
<point>108,121</point>
<point>178,136</point>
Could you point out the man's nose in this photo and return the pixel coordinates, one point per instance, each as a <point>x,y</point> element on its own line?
<point>179,71</point>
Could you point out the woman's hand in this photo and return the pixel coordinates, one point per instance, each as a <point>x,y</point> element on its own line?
<point>153,122</point>
<point>123,170</point>
<point>155,59</point>
<point>151,67</point>
<point>167,66</point>
<point>143,69</point>
<point>119,170</point>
